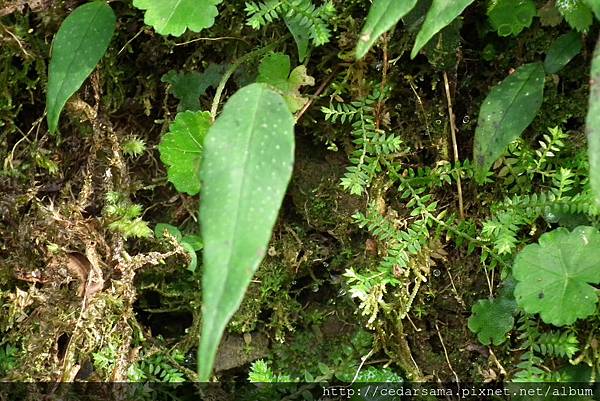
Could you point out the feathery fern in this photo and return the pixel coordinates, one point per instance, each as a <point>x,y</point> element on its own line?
<point>299,12</point>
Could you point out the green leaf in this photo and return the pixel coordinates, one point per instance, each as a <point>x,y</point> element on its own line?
<point>188,87</point>
<point>593,124</point>
<point>510,17</point>
<point>79,44</point>
<point>507,110</point>
<point>492,319</point>
<point>562,50</point>
<point>441,14</point>
<point>594,5</point>
<point>576,13</point>
<point>248,160</point>
<point>173,17</point>
<point>193,263</point>
<point>383,15</point>
<point>181,150</point>
<point>159,231</point>
<point>554,276</point>
<point>194,240</point>
<point>301,34</point>
<point>274,70</point>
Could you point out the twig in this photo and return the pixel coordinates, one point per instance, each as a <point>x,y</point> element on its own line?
<point>384,72</point>
<point>318,92</point>
<point>454,145</point>
<point>362,362</point>
<point>212,40</point>
<point>130,40</point>
<point>446,355</point>
<point>12,35</point>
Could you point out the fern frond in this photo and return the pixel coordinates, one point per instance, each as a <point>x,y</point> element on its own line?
<point>299,12</point>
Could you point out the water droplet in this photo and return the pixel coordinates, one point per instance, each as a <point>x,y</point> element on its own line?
<point>466,119</point>
<point>437,272</point>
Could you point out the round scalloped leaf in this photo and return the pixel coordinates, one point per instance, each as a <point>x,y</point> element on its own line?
<point>555,276</point>
<point>510,17</point>
<point>492,319</point>
<point>173,17</point>
<point>181,150</point>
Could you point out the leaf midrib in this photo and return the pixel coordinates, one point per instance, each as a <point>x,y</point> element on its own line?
<point>76,52</point>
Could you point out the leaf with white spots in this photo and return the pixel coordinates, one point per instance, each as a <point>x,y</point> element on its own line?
<point>555,276</point>
<point>440,14</point>
<point>79,44</point>
<point>173,17</point>
<point>507,110</point>
<point>181,150</point>
<point>593,124</point>
<point>247,165</point>
<point>383,15</point>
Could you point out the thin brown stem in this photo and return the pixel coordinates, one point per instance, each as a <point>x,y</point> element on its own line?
<point>453,130</point>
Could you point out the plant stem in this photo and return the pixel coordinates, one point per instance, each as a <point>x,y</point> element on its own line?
<point>233,67</point>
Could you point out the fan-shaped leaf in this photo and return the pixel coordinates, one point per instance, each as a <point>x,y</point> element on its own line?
<point>383,15</point>
<point>441,14</point>
<point>78,45</point>
<point>507,110</point>
<point>492,319</point>
<point>181,150</point>
<point>562,51</point>
<point>173,17</point>
<point>593,124</point>
<point>510,17</point>
<point>248,159</point>
<point>554,276</point>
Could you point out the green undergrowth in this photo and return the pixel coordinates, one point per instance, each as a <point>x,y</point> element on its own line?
<point>388,259</point>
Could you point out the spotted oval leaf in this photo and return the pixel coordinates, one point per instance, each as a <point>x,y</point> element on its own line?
<point>248,160</point>
<point>173,17</point>
<point>440,14</point>
<point>181,150</point>
<point>507,110</point>
<point>79,44</point>
<point>554,276</point>
<point>593,124</point>
<point>383,15</point>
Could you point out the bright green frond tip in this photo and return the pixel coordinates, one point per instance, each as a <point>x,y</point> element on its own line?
<point>555,276</point>
<point>79,44</point>
<point>181,150</point>
<point>173,17</point>
<point>248,160</point>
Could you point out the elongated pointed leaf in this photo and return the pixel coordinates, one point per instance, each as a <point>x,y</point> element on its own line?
<point>383,15</point>
<point>78,45</point>
<point>593,124</point>
<point>441,14</point>
<point>248,159</point>
<point>508,109</point>
<point>562,51</point>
